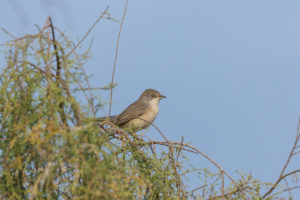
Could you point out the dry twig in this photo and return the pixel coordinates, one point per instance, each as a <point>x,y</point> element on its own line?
<point>88,32</point>
<point>282,174</point>
<point>116,57</point>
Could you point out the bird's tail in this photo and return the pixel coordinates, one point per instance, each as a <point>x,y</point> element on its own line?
<point>112,119</point>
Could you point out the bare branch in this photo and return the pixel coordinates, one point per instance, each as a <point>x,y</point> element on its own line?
<point>116,57</point>
<point>212,161</point>
<point>296,153</point>
<point>197,188</point>
<point>282,175</point>
<point>88,32</point>
<point>222,188</point>
<point>177,144</point>
<point>289,189</point>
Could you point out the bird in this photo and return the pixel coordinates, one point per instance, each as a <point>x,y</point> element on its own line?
<point>140,114</point>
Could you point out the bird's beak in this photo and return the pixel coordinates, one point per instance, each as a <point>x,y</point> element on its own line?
<point>162,96</point>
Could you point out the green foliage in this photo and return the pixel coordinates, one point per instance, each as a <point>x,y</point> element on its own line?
<point>46,151</point>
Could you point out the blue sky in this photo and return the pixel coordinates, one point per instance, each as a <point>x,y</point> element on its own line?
<point>230,69</point>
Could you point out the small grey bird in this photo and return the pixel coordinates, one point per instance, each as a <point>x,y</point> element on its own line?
<point>138,115</point>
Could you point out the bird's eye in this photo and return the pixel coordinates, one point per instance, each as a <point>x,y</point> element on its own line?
<point>152,95</point>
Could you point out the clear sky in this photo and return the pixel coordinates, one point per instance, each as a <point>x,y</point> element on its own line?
<point>230,69</point>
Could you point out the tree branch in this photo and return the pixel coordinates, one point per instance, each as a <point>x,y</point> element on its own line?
<point>58,71</point>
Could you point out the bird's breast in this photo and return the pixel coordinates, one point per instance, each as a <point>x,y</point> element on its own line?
<point>153,109</point>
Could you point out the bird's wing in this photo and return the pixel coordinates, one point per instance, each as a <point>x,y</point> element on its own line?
<point>133,111</point>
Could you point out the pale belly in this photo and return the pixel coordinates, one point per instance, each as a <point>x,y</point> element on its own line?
<point>144,121</point>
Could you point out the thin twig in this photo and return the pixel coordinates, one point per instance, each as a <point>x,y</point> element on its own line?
<point>179,150</point>
<point>286,175</point>
<point>84,74</point>
<point>212,161</point>
<point>296,153</point>
<point>197,188</point>
<point>31,36</point>
<point>90,100</point>
<point>180,183</point>
<point>163,143</point>
<point>282,176</point>
<point>289,189</point>
<point>239,188</point>
<point>88,32</point>
<point>82,89</point>
<point>116,57</point>
<point>174,165</point>
<point>190,146</point>
<point>222,189</point>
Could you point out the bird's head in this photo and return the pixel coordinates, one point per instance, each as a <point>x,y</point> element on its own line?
<point>151,94</point>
